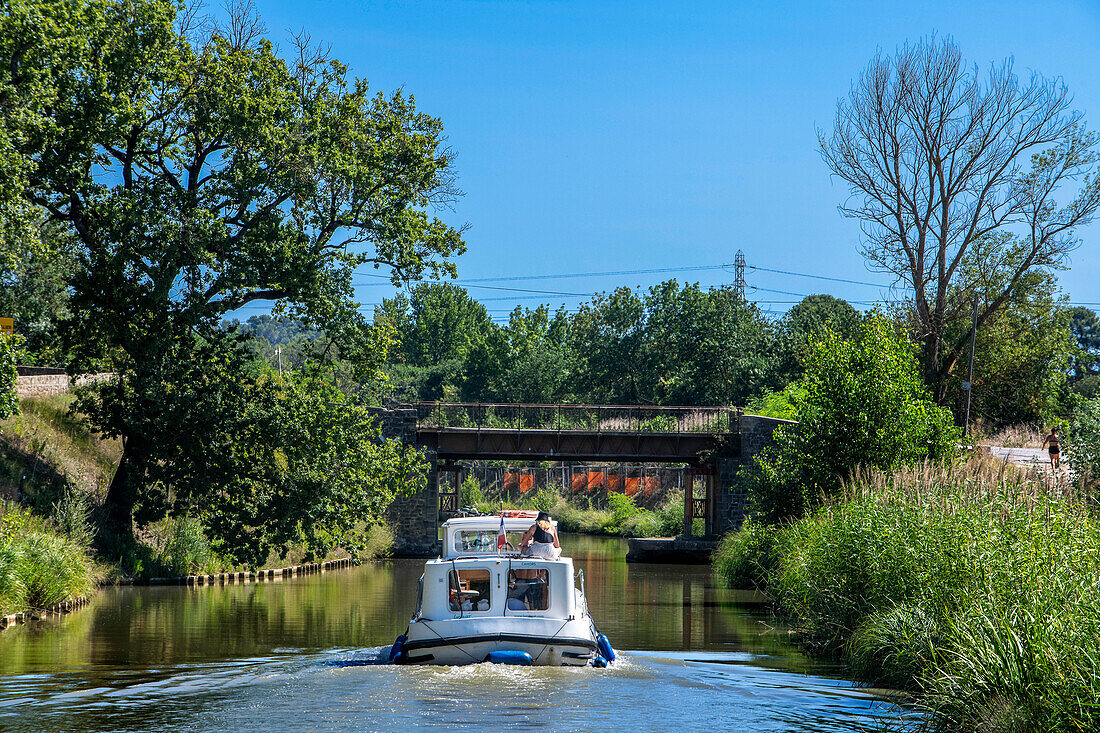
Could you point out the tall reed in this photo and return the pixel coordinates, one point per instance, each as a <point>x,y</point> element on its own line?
<point>974,585</point>
<point>39,566</point>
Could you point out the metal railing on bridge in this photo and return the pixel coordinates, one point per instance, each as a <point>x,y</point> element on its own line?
<point>587,418</point>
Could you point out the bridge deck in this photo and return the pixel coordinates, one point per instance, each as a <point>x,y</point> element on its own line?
<point>534,444</point>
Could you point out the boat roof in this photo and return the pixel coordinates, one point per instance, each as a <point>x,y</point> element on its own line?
<point>517,520</point>
<point>516,559</point>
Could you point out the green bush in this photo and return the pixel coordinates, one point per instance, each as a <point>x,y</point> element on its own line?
<point>1083,444</point>
<point>745,559</point>
<point>72,515</point>
<point>9,354</point>
<point>860,402</point>
<point>622,508</point>
<point>472,495</point>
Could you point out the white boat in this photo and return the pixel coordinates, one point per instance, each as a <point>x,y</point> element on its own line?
<point>477,603</point>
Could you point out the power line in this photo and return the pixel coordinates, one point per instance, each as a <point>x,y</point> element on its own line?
<point>650,271</point>
<point>819,277</point>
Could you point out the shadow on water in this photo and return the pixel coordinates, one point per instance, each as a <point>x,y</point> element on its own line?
<point>311,654</point>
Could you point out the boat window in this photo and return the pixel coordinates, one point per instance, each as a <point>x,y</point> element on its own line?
<point>528,589</point>
<point>470,589</point>
<point>483,541</point>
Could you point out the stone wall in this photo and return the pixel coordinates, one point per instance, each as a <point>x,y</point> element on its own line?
<point>414,519</point>
<point>757,433</point>
<point>46,381</point>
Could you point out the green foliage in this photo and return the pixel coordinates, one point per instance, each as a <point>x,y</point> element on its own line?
<point>671,345</point>
<point>1084,326</point>
<point>39,568</point>
<point>309,468</point>
<point>1021,355</point>
<point>223,174</point>
<point>72,516</point>
<point>180,547</point>
<point>442,323</point>
<point>677,345</point>
<point>746,558</point>
<point>1083,442</point>
<point>1088,387</point>
<point>783,404</point>
<point>622,518</point>
<point>34,281</point>
<point>808,321</point>
<point>472,495</point>
<point>972,585</point>
<point>622,508</point>
<point>860,402</point>
<point>9,354</point>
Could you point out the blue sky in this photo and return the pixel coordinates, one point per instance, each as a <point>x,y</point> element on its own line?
<point>609,136</point>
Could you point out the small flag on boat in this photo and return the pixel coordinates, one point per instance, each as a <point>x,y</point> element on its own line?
<point>502,539</point>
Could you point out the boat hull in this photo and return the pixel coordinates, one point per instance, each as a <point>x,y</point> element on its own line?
<point>549,642</point>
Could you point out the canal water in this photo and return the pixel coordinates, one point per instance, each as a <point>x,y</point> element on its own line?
<point>299,655</point>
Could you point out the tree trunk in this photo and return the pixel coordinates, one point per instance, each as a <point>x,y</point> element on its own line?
<point>122,493</point>
<point>930,358</point>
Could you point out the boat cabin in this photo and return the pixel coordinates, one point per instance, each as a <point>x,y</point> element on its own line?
<point>497,586</point>
<point>473,578</point>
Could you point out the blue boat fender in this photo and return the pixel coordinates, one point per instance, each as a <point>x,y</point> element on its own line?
<point>605,647</point>
<point>599,661</point>
<point>503,656</point>
<point>398,646</point>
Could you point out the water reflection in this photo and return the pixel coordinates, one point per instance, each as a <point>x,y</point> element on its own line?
<point>301,654</point>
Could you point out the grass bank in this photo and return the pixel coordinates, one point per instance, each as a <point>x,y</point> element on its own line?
<point>46,449</point>
<point>975,586</point>
<point>40,566</point>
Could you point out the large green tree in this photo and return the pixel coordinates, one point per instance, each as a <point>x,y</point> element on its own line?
<point>1084,325</point>
<point>201,173</point>
<point>810,320</point>
<point>1021,353</point>
<point>34,289</point>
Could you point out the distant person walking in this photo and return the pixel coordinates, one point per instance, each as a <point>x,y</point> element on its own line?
<point>1055,449</point>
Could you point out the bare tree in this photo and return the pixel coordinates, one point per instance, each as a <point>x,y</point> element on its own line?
<point>952,175</point>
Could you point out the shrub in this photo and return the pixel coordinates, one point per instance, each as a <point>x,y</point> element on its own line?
<point>9,354</point>
<point>622,508</point>
<point>472,495</point>
<point>1083,445</point>
<point>860,402</point>
<point>745,559</point>
<point>72,515</point>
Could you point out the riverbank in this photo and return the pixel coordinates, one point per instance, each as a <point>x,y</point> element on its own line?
<point>972,586</point>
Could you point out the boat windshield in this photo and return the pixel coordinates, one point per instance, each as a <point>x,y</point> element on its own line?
<point>482,541</point>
